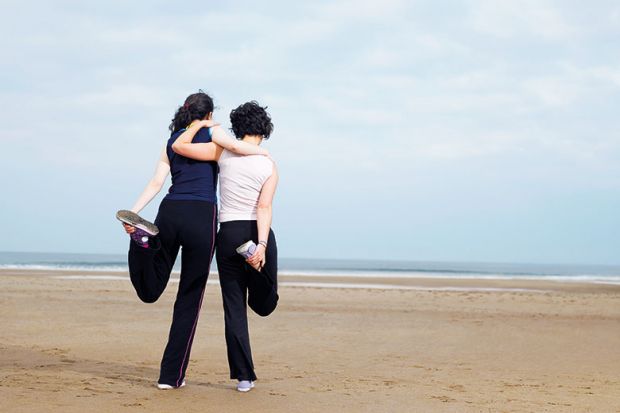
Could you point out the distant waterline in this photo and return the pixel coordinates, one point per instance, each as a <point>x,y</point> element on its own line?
<point>340,268</point>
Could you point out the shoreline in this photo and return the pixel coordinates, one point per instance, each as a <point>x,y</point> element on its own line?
<point>384,282</point>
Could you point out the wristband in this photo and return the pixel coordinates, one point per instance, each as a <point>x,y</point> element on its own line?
<point>263,243</point>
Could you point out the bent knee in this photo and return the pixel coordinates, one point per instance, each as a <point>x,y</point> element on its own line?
<point>148,299</point>
<point>265,310</point>
<point>265,313</point>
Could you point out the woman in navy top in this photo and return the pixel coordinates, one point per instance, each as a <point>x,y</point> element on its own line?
<point>247,188</point>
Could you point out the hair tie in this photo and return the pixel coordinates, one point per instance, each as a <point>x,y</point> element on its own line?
<point>185,106</point>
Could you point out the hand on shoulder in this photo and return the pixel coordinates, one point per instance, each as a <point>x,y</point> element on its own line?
<point>208,123</point>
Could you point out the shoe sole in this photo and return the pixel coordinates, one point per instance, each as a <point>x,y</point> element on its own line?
<point>137,221</point>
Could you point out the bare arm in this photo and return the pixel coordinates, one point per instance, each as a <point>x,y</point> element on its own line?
<point>263,218</point>
<point>239,147</point>
<point>200,151</point>
<point>155,184</point>
<point>265,200</point>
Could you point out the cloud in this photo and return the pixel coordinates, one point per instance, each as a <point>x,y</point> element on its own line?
<point>144,35</point>
<point>511,18</point>
<point>608,74</point>
<point>132,95</point>
<point>553,91</point>
<point>346,10</point>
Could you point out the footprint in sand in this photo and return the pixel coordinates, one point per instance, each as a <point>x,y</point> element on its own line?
<point>444,399</point>
<point>457,387</point>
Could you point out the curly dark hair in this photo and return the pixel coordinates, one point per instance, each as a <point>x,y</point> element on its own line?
<point>251,119</point>
<point>196,106</point>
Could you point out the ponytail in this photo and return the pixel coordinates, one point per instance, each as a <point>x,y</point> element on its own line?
<point>197,106</point>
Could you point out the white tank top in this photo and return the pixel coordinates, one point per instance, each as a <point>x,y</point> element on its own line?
<point>241,180</point>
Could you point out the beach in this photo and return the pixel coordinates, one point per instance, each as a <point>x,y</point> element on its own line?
<point>82,342</point>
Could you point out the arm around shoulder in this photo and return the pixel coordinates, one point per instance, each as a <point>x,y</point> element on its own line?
<point>226,141</point>
<point>200,151</point>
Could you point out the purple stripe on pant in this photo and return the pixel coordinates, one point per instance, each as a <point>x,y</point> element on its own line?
<point>191,225</point>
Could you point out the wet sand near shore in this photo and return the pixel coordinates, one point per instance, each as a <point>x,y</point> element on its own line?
<point>82,344</point>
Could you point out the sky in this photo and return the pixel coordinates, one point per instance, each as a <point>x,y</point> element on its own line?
<point>404,130</point>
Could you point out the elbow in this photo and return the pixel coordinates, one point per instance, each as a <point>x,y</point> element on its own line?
<point>179,149</point>
<point>234,147</point>
<point>157,184</point>
<point>263,207</point>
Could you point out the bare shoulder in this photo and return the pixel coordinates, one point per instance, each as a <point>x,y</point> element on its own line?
<point>270,162</point>
<point>274,167</point>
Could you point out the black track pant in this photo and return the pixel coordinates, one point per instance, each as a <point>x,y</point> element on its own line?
<point>242,284</point>
<point>187,224</point>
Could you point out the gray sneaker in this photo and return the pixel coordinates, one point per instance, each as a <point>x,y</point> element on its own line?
<point>137,221</point>
<point>245,385</point>
<point>162,386</point>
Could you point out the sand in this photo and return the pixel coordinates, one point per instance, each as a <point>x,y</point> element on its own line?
<point>72,345</point>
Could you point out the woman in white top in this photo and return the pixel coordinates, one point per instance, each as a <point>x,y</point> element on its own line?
<point>247,187</point>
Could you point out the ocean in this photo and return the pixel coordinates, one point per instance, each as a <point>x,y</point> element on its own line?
<point>608,274</point>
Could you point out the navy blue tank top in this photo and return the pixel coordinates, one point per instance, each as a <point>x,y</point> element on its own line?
<point>191,179</point>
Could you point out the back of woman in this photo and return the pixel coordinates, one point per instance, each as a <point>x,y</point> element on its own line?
<point>241,181</point>
<point>247,186</point>
<point>191,179</point>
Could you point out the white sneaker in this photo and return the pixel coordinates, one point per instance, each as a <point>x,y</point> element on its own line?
<point>162,386</point>
<point>245,385</point>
